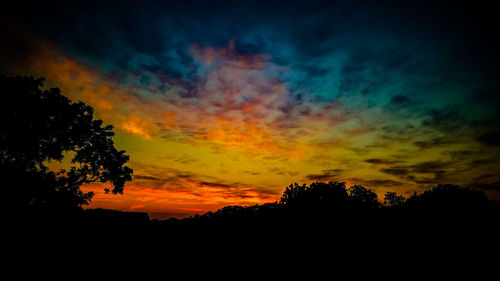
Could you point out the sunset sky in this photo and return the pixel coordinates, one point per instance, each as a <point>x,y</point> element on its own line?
<point>227,103</point>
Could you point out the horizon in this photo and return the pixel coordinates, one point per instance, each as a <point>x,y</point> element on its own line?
<point>221,103</point>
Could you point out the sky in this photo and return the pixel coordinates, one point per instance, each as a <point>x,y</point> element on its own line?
<point>228,102</point>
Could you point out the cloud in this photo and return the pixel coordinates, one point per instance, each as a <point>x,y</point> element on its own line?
<point>379,161</point>
<point>480,162</point>
<point>238,101</point>
<point>430,167</point>
<point>447,120</point>
<point>413,172</point>
<point>214,184</point>
<point>376,182</point>
<point>395,171</point>
<point>435,142</point>
<point>491,138</point>
<point>148,178</point>
<point>461,154</point>
<point>330,174</point>
<point>399,99</point>
<point>487,186</point>
<point>137,126</point>
<point>198,184</point>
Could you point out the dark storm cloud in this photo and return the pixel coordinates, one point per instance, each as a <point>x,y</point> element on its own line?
<point>428,181</point>
<point>492,138</point>
<point>435,142</point>
<point>483,177</point>
<point>460,154</point>
<point>437,168</point>
<point>430,167</point>
<point>486,182</point>
<point>394,59</point>
<point>487,95</point>
<point>329,174</point>
<point>395,171</point>
<point>395,132</point>
<point>481,162</point>
<point>181,181</point>
<point>379,161</point>
<point>376,182</point>
<point>153,36</point>
<point>149,178</point>
<point>163,31</point>
<point>215,184</point>
<point>252,173</point>
<point>471,158</point>
<point>447,120</point>
<point>399,99</point>
<point>487,186</point>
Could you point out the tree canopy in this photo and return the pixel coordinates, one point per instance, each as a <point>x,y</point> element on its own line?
<point>42,125</point>
<point>331,195</point>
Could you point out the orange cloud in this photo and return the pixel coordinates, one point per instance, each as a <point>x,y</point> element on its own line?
<point>198,199</point>
<point>240,103</point>
<point>137,126</point>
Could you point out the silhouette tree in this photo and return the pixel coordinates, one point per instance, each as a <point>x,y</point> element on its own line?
<point>328,212</point>
<point>41,126</point>
<point>449,198</point>
<point>316,195</point>
<point>362,197</point>
<point>393,200</point>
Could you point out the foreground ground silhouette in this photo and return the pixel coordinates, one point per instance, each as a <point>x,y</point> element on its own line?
<point>320,222</point>
<point>446,222</point>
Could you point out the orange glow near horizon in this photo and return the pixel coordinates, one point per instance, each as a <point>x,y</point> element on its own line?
<point>161,203</point>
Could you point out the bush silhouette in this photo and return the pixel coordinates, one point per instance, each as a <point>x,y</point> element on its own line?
<point>41,125</point>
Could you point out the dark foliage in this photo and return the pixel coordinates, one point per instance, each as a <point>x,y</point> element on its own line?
<point>363,198</point>
<point>317,195</point>
<point>393,200</point>
<point>40,126</point>
<point>333,206</point>
<point>449,198</point>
